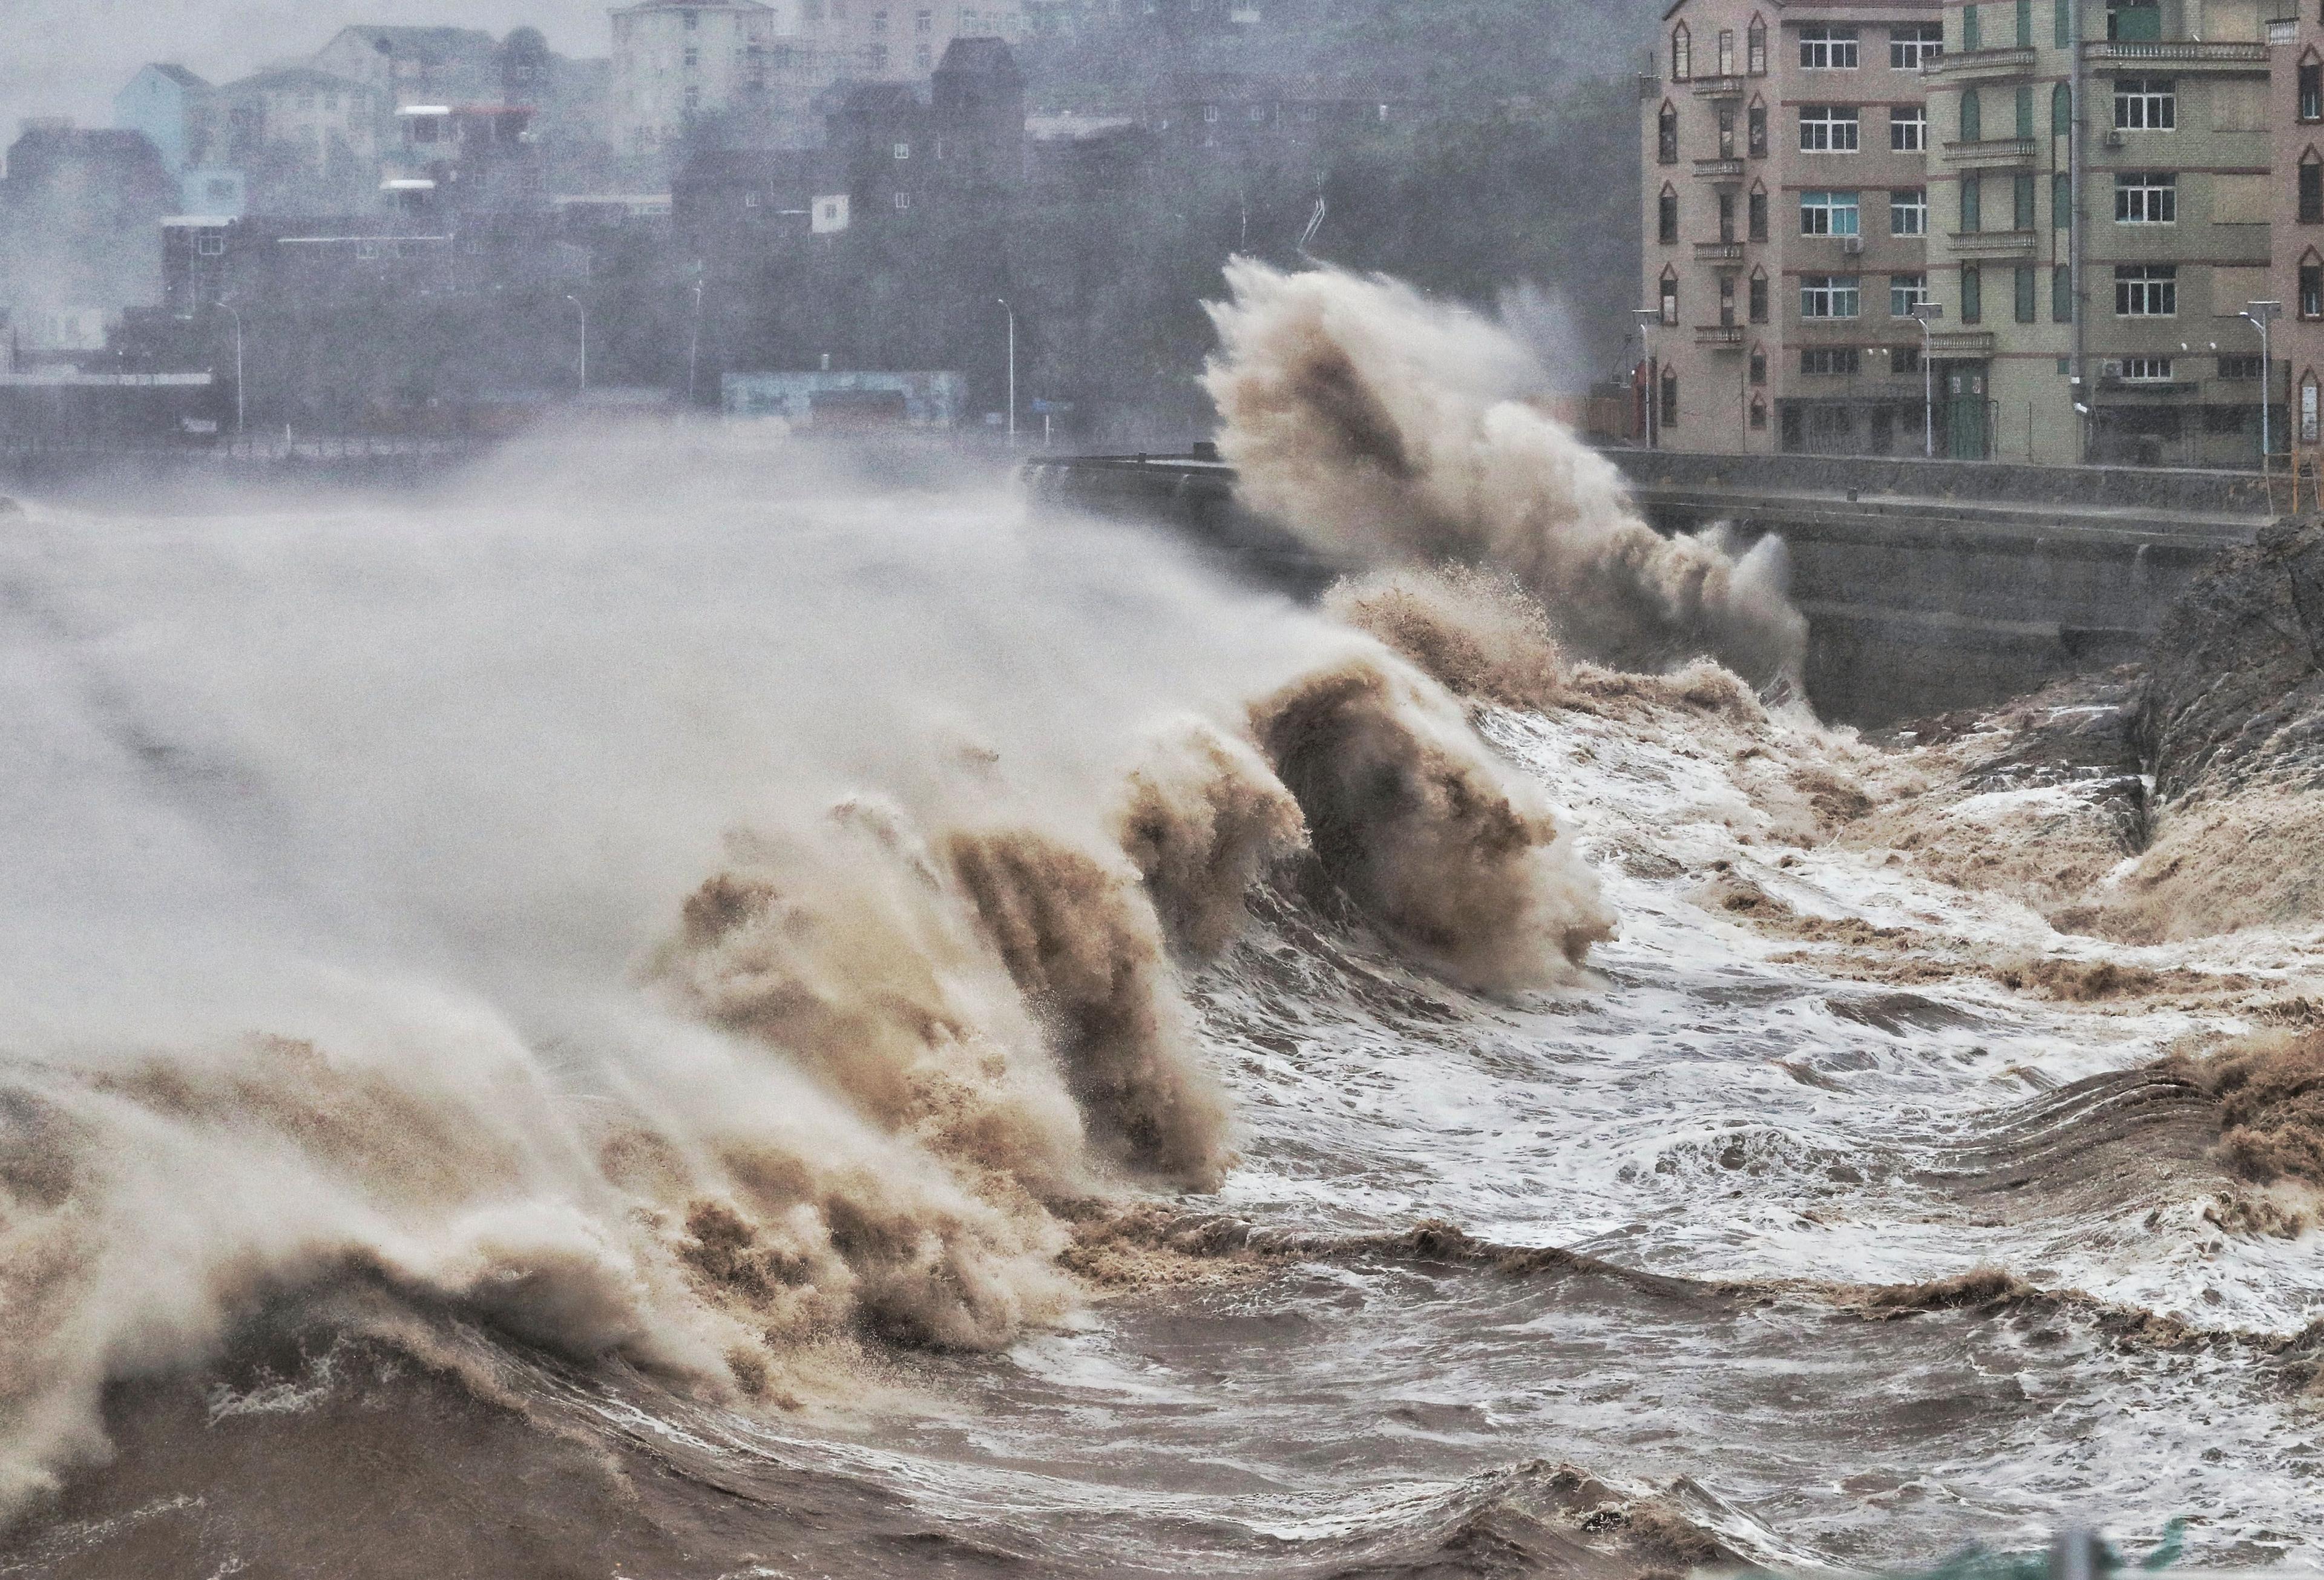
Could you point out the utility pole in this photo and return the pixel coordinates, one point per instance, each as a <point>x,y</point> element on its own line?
<point>2262,315</point>
<point>583,314</point>
<point>1012,368</point>
<point>2077,161</point>
<point>1928,313</point>
<point>1649,318</point>
<point>694,355</point>
<point>241,405</point>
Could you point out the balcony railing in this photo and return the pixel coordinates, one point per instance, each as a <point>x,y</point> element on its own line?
<point>1719,252</point>
<point>1996,243</point>
<point>1959,343</point>
<point>1991,153</point>
<point>1726,335</point>
<point>1728,86</point>
<point>1967,65</point>
<point>2175,52</point>
<point>1719,169</point>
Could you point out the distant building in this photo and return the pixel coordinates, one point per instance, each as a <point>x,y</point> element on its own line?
<point>1238,118</point>
<point>448,160</point>
<point>79,225</point>
<point>308,140</point>
<point>679,65</point>
<point>849,403</point>
<point>417,65</point>
<point>2296,205</point>
<point>177,112</point>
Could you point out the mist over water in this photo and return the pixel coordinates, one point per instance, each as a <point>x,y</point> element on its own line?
<point>754,1013</point>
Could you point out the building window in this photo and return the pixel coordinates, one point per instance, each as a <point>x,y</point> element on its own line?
<point>1903,359</point>
<point>1973,205</point>
<point>1825,46</point>
<point>1911,43</point>
<point>1726,52</point>
<point>1756,122</point>
<point>2029,296</point>
<point>2025,24</point>
<point>1682,54</point>
<point>1667,217</point>
<point>1908,212</point>
<point>2061,296</point>
<point>2021,203</point>
<point>879,24</point>
<point>1827,129</point>
<point>1666,136</point>
<point>2146,291</point>
<point>903,201</point>
<point>1758,367</point>
<point>2061,111</point>
<point>1755,47</point>
<point>2311,90</point>
<point>1828,213</point>
<point>693,58</point>
<point>1906,293</point>
<point>1972,295</point>
<point>2145,198</point>
<point>1972,117</point>
<point>924,21</point>
<point>1757,205</point>
<point>2311,191</point>
<point>1670,300</point>
<point>693,101</point>
<point>1908,129</point>
<point>1758,411</point>
<point>2239,369</point>
<point>1972,32</point>
<point>2145,104</point>
<point>2061,22</point>
<point>692,20</point>
<point>2025,101</point>
<point>1726,130</point>
<point>2146,370</point>
<point>1758,298</point>
<point>924,56</point>
<point>903,151</point>
<point>2136,22</point>
<point>209,243</point>
<point>2061,202</point>
<point>1670,398</point>
<point>1829,296</point>
<point>1726,216</point>
<point>2312,291</point>
<point>2308,424</point>
<point>1830,361</point>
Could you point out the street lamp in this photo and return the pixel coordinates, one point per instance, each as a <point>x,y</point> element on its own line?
<point>694,353</point>
<point>2259,315</point>
<point>1012,368</point>
<point>1649,318</point>
<point>583,312</point>
<point>1927,313</point>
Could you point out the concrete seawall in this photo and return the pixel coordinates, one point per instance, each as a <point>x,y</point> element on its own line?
<point>1928,585</point>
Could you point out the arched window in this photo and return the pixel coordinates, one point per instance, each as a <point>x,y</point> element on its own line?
<point>1755,48</point>
<point>1670,296</point>
<point>2310,424</point>
<point>1682,54</point>
<point>1670,396</point>
<point>2310,305</point>
<point>1758,411</point>
<point>2311,86</point>
<point>2311,187</point>
<point>1758,289</point>
<point>1972,117</point>
<point>2061,111</point>
<point>1666,134</point>
<point>1755,140</point>
<point>1666,212</point>
<point>1758,366</point>
<point>1758,211</point>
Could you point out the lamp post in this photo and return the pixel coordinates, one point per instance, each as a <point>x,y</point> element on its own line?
<point>2262,315</point>
<point>694,354</point>
<point>583,312</point>
<point>1927,313</point>
<point>1012,368</point>
<point>1649,318</point>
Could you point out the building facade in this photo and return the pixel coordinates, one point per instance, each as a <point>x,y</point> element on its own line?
<point>2080,188</point>
<point>2296,126</point>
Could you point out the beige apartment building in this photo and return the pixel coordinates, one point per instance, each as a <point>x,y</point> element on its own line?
<point>2296,128</point>
<point>2080,188</point>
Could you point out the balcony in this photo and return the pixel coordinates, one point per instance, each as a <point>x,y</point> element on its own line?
<point>1718,88</point>
<point>1978,65</point>
<point>1954,344</point>
<point>1719,169</point>
<point>1719,252</point>
<point>1996,243</point>
<point>2179,55</point>
<point>1722,337</point>
<point>1992,153</point>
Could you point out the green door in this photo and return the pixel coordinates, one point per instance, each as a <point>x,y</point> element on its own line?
<point>1964,412</point>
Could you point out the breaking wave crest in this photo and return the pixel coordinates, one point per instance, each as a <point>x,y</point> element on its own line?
<point>1391,428</point>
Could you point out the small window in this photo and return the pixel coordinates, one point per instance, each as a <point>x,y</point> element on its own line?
<point>2308,413</point>
<point>1682,54</point>
<point>1912,44</point>
<point>1726,52</point>
<point>1903,359</point>
<point>1667,219</point>
<point>2146,370</point>
<point>1756,48</point>
<point>1828,213</point>
<point>2061,296</point>
<point>749,199</point>
<point>2311,191</point>
<point>1828,47</point>
<point>1908,212</point>
<point>1758,298</point>
<point>903,201</point>
<point>2061,200</point>
<point>2146,291</point>
<point>2311,90</point>
<point>2021,202</point>
<point>1972,116</point>
<point>2239,369</point>
<point>1757,209</point>
<point>1906,293</point>
<point>2312,291</point>
<point>1666,136</point>
<point>1759,374</point>
<point>2145,198</point>
<point>1757,134</point>
<point>211,244</point>
<point>2028,293</point>
<point>1827,129</point>
<point>693,58</point>
<point>1973,205</point>
<point>1670,398</point>
<point>1830,361</point>
<point>1670,300</point>
<point>1973,295</point>
<point>1908,129</point>
<point>1829,296</point>
<point>903,151</point>
<point>2145,104</point>
<point>1972,31</point>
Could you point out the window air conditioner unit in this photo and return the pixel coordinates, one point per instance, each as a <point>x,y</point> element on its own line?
<point>2113,140</point>
<point>2110,370</point>
<point>1851,245</point>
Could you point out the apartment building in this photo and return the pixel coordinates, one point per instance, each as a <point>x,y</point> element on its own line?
<point>2296,133</point>
<point>1929,152</point>
<point>1787,224</point>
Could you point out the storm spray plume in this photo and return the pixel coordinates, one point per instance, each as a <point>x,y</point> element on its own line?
<point>1390,429</point>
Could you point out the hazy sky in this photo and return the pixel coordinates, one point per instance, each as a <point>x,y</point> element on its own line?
<point>69,57</point>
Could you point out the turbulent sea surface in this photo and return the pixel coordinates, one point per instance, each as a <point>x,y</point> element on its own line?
<point>1713,1250</point>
